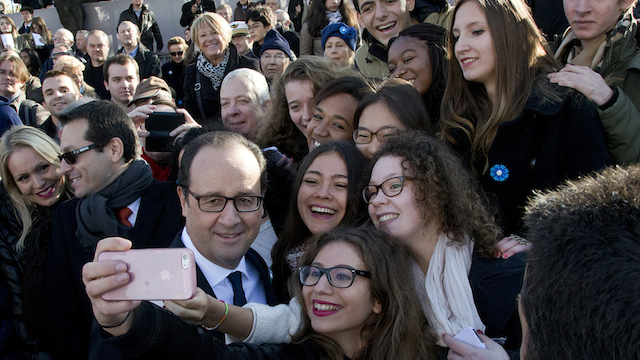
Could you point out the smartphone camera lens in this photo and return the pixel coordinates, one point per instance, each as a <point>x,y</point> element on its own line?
<point>185,261</point>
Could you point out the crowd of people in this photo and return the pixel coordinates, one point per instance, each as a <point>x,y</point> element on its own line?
<point>364,179</point>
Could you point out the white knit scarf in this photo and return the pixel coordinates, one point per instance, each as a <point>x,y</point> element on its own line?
<point>446,297</point>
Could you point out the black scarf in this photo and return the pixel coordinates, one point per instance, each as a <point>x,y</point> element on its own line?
<point>95,213</point>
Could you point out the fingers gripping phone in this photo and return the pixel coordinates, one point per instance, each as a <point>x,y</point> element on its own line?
<point>469,337</point>
<point>156,274</point>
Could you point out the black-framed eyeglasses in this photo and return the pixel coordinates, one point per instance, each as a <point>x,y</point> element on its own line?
<point>72,156</point>
<point>215,203</point>
<point>338,276</point>
<point>179,53</point>
<point>364,136</point>
<point>390,187</point>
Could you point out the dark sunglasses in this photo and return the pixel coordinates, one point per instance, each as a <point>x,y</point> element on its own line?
<point>71,156</point>
<point>179,53</point>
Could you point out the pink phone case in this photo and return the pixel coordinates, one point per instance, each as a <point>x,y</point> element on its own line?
<point>156,274</point>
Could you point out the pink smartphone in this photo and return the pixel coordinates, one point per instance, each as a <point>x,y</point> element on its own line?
<point>156,274</point>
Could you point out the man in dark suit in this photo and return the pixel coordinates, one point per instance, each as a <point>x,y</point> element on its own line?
<point>116,195</point>
<point>27,17</point>
<point>148,62</point>
<point>221,185</point>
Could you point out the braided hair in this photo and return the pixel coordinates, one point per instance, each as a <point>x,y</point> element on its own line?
<point>433,36</point>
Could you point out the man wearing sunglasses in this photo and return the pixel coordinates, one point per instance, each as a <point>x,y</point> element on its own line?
<point>173,71</point>
<point>116,195</point>
<point>221,185</point>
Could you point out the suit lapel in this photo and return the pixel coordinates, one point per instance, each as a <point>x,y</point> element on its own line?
<point>258,263</point>
<point>148,215</point>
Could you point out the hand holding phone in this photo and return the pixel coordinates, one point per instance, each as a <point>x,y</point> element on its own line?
<point>469,337</point>
<point>156,274</point>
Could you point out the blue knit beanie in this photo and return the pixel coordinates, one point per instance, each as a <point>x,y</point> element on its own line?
<point>274,41</point>
<point>341,30</point>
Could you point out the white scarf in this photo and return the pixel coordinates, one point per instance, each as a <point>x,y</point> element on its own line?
<point>446,297</point>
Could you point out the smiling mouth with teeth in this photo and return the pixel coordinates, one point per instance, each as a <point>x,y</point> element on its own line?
<point>325,307</point>
<point>322,210</point>
<point>385,27</point>
<point>387,217</point>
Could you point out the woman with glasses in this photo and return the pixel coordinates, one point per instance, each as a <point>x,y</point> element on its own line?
<point>381,115</point>
<point>357,299</point>
<point>421,193</point>
<point>217,58</point>
<point>32,187</point>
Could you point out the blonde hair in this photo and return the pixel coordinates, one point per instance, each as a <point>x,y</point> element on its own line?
<point>68,62</point>
<point>214,21</point>
<point>16,138</point>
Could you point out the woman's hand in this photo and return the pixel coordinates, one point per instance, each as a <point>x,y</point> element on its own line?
<point>582,78</point>
<point>195,310</point>
<point>459,350</point>
<point>101,277</point>
<point>510,246</point>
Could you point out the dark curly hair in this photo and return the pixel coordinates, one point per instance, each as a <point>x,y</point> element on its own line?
<point>443,187</point>
<point>401,330</point>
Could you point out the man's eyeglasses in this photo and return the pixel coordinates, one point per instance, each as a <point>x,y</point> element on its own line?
<point>214,203</point>
<point>268,57</point>
<point>390,187</point>
<point>338,276</point>
<point>71,156</point>
<point>179,53</point>
<point>255,26</point>
<point>9,74</point>
<point>364,136</point>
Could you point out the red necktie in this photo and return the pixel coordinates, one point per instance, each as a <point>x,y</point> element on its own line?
<point>123,216</point>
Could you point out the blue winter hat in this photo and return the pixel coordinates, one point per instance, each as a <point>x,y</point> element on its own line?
<point>274,41</point>
<point>341,30</point>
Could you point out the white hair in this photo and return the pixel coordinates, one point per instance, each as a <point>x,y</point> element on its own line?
<point>284,14</point>
<point>256,79</point>
<point>66,34</point>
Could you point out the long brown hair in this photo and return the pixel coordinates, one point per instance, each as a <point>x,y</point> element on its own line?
<point>44,30</point>
<point>279,130</point>
<point>317,19</point>
<point>522,63</point>
<point>401,330</point>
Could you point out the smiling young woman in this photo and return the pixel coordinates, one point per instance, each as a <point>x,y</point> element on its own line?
<point>358,303</point>
<point>517,131</point>
<point>32,187</point>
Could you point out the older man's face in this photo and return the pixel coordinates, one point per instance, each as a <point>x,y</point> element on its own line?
<point>273,63</point>
<point>128,34</point>
<point>241,111</point>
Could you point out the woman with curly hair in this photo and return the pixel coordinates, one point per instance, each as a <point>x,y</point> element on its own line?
<point>322,13</point>
<point>517,131</point>
<point>421,193</point>
<point>291,104</point>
